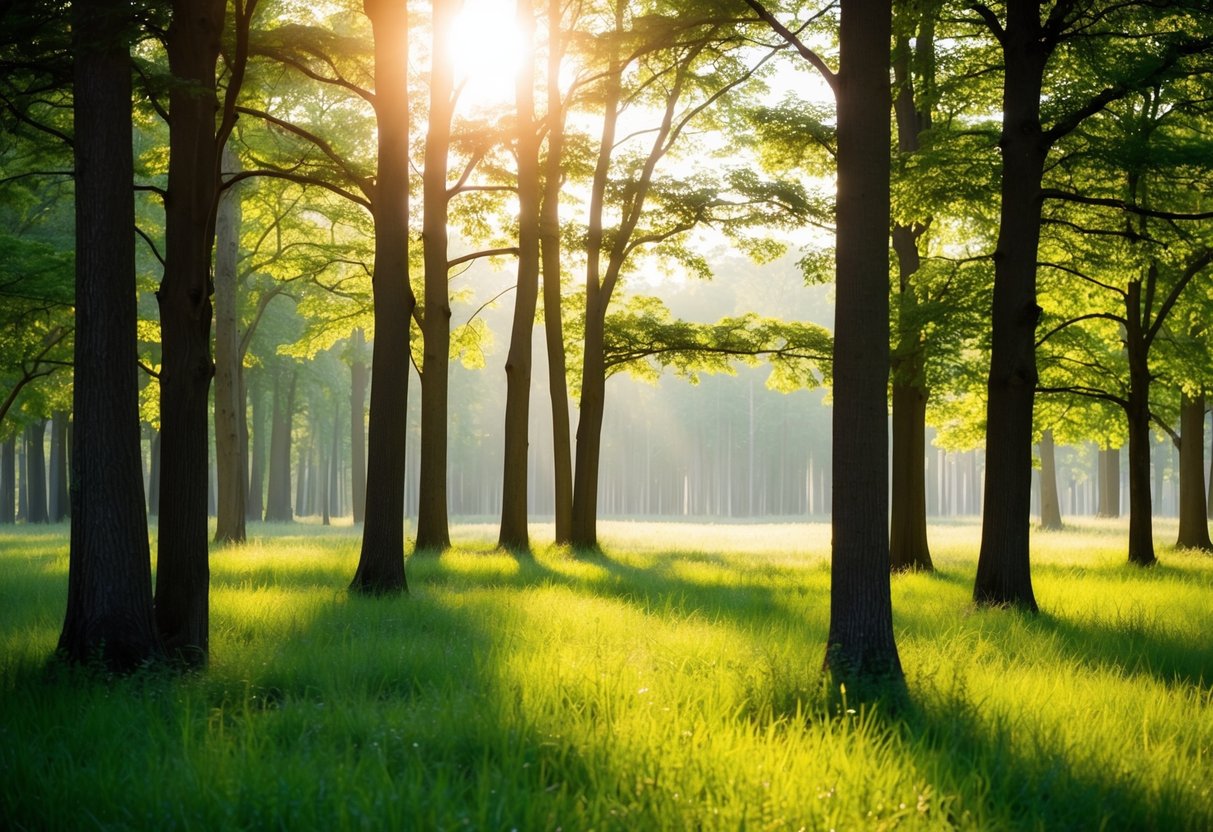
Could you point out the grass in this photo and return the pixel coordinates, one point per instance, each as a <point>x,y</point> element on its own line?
<point>673,683</point>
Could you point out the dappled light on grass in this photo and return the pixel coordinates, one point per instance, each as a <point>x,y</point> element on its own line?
<point>671,683</point>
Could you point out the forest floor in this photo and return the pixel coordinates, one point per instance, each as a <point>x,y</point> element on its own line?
<point>674,682</point>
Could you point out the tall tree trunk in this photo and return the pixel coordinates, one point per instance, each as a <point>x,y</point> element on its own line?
<point>109,600</point>
<point>1141,522</point>
<point>1209,485</point>
<point>1004,573</point>
<point>332,490</point>
<point>278,498</point>
<point>255,496</point>
<point>8,481</point>
<point>909,549</point>
<point>59,508</point>
<point>1193,522</point>
<point>381,562</point>
<point>231,459</point>
<point>553,324</point>
<point>908,546</point>
<point>358,381</point>
<point>518,362</point>
<point>35,472</point>
<point>433,531</point>
<point>302,469</point>
<point>1050,503</point>
<point>182,569</point>
<point>861,648</point>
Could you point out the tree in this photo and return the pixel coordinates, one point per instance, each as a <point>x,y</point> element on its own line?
<point>231,429</point>
<point>860,649</point>
<point>518,363</point>
<point>109,605</point>
<point>381,562</point>
<point>1193,524</point>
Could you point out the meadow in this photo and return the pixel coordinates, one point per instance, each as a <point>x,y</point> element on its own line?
<point>673,682</point>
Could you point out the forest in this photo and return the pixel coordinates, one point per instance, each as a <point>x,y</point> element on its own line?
<point>854,402</point>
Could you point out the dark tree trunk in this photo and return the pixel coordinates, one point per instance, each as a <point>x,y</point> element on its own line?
<point>589,429</point>
<point>1141,521</point>
<point>861,649</point>
<point>518,363</point>
<point>302,469</point>
<point>35,472</point>
<point>433,532</point>
<point>153,475</point>
<point>182,568</point>
<point>278,498</point>
<point>909,549</point>
<point>549,232</point>
<point>1193,522</point>
<point>8,481</point>
<point>381,562</point>
<point>109,599</point>
<point>358,381</point>
<point>1004,574</point>
<point>1050,503</point>
<point>255,505</point>
<point>231,449</point>
<point>59,508</point>
<point>908,528</point>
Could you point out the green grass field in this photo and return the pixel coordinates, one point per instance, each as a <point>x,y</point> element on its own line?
<point>673,683</point>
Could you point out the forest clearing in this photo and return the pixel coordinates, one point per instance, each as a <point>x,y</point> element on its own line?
<point>664,684</point>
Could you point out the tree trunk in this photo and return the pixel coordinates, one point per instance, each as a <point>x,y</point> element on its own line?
<point>1109,482</point>
<point>549,232</point>
<point>358,380</point>
<point>589,430</point>
<point>861,649</point>
<point>908,528</point>
<point>1193,522</point>
<point>332,490</point>
<point>518,363</point>
<point>433,531</point>
<point>1050,503</point>
<point>153,475</point>
<point>255,502</point>
<point>182,568</point>
<point>1141,522</point>
<point>278,499</point>
<point>381,562</point>
<point>35,472</point>
<point>1004,573</point>
<point>109,601</point>
<point>8,481</point>
<point>60,508</point>
<point>230,452</point>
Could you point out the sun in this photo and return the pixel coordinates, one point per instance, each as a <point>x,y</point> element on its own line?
<point>487,52</point>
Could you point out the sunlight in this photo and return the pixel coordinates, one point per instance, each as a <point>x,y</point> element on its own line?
<point>487,53</point>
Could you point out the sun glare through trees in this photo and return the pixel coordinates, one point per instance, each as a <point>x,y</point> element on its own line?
<point>614,414</point>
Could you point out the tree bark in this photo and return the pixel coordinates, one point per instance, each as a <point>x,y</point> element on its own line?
<point>153,475</point>
<point>553,324</point>
<point>8,481</point>
<point>861,650</point>
<point>1050,503</point>
<point>35,472</point>
<point>381,561</point>
<point>908,546</point>
<point>230,455</point>
<point>1004,573</point>
<point>433,532</point>
<point>254,498</point>
<point>333,503</point>
<point>59,508</point>
<point>358,381</point>
<point>514,533</point>
<point>278,499</point>
<point>1137,412</point>
<point>182,570</point>
<point>1193,521</point>
<point>1109,482</point>
<point>109,600</point>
